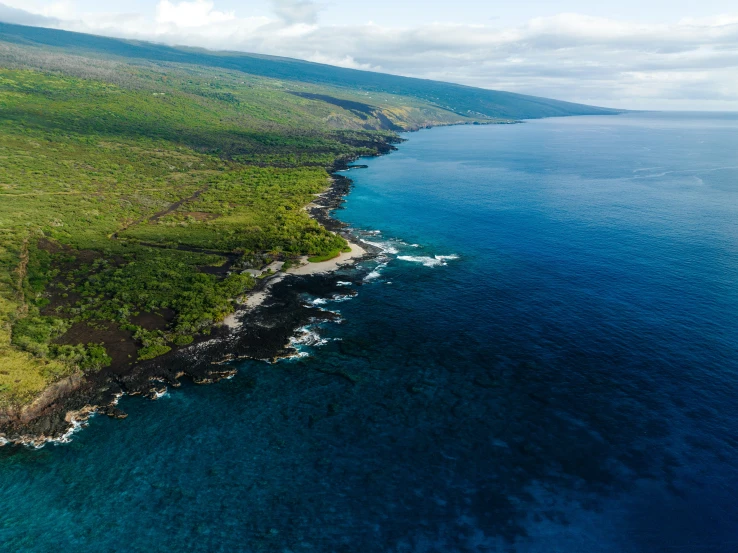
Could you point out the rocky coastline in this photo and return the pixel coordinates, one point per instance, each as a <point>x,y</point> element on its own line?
<point>261,332</point>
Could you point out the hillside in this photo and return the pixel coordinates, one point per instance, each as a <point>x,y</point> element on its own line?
<point>457,98</point>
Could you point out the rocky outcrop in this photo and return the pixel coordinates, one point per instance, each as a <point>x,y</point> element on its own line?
<point>50,400</point>
<point>26,413</point>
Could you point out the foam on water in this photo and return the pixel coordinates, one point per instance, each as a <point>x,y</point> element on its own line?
<point>435,261</point>
<point>338,298</point>
<point>335,298</point>
<point>307,336</point>
<point>376,273</point>
<point>387,247</point>
<point>75,426</point>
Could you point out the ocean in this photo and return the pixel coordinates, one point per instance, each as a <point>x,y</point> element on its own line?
<point>544,358</point>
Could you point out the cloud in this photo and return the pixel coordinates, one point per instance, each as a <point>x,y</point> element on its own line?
<point>690,64</point>
<point>346,61</point>
<point>296,11</point>
<point>10,14</point>
<point>198,13</point>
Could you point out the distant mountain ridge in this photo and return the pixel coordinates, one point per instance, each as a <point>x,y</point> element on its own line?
<point>461,99</point>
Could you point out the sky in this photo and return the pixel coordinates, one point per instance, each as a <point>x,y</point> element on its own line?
<point>647,54</point>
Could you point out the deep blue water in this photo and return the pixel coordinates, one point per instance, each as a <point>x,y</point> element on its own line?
<point>567,381</point>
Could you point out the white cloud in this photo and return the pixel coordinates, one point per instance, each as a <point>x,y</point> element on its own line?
<point>22,17</point>
<point>197,13</point>
<point>690,64</point>
<point>58,9</point>
<point>296,11</point>
<point>346,61</point>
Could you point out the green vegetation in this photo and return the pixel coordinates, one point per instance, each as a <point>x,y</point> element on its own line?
<point>131,196</point>
<point>329,255</point>
<point>137,181</point>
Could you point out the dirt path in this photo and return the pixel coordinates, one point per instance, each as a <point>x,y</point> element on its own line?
<point>22,271</point>
<point>158,215</point>
<point>176,205</point>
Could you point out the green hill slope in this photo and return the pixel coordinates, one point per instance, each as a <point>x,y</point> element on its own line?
<point>457,98</point>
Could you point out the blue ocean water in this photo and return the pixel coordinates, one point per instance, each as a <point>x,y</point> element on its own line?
<point>545,359</point>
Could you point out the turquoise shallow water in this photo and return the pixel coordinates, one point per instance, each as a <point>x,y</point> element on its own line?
<point>544,359</point>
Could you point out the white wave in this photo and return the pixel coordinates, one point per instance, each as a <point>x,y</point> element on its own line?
<point>386,247</point>
<point>371,276</point>
<point>298,355</point>
<point>427,261</point>
<point>334,298</point>
<point>435,261</point>
<point>76,426</point>
<point>307,337</point>
<point>376,273</point>
<point>343,283</point>
<point>304,336</point>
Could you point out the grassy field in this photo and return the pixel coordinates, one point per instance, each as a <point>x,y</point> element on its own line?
<point>133,195</point>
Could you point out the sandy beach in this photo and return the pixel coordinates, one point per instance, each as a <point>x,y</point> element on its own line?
<point>345,258</point>
<point>255,299</point>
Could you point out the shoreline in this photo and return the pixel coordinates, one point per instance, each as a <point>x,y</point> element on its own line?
<point>260,328</point>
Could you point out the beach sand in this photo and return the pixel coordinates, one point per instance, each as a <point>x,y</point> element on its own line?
<point>307,268</point>
<point>233,321</point>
